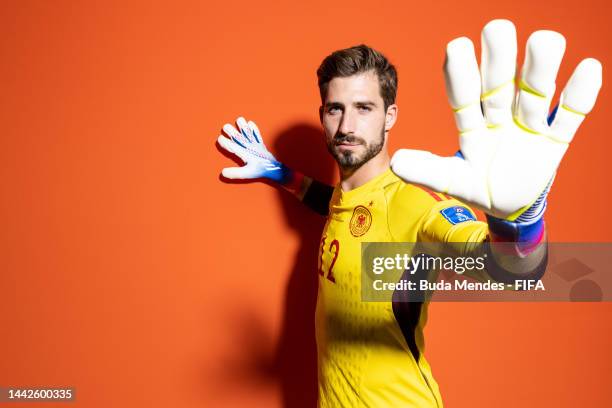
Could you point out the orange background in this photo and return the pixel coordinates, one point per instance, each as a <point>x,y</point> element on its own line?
<point>131,272</point>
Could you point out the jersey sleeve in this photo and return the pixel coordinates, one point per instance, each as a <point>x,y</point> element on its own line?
<point>450,221</point>
<point>453,223</point>
<point>419,215</point>
<point>318,196</point>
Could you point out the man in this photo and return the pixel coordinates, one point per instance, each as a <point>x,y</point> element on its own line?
<point>371,353</point>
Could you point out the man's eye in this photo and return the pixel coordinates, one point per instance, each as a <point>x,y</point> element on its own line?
<point>365,108</point>
<point>333,110</point>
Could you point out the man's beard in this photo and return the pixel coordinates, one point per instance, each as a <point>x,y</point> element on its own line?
<point>350,160</point>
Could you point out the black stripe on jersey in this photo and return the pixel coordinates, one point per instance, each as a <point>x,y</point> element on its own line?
<point>407,308</point>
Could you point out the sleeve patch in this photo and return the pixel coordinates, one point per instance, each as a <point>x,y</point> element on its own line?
<point>457,214</point>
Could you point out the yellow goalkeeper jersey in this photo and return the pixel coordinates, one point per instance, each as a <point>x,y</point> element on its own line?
<point>371,353</point>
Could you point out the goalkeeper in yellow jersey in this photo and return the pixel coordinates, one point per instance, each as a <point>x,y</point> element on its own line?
<point>371,353</point>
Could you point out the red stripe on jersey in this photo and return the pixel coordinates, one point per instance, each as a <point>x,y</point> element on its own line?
<point>431,193</point>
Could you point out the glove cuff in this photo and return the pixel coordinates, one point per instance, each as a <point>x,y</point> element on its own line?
<point>527,230</point>
<point>526,235</point>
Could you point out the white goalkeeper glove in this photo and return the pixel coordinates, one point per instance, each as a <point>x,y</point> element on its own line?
<point>248,145</point>
<point>509,152</point>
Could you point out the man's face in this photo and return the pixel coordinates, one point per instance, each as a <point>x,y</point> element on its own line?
<point>353,117</point>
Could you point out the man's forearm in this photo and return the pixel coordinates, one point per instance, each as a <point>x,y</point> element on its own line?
<point>314,194</point>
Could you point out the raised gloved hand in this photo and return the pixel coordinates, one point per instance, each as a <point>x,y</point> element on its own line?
<point>509,153</point>
<point>248,145</point>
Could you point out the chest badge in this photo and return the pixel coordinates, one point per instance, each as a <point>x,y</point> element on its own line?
<point>360,221</point>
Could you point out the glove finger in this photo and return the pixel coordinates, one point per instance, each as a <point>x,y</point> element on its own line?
<point>498,59</point>
<point>255,131</point>
<point>238,173</point>
<point>451,175</point>
<point>244,128</point>
<point>235,135</point>
<point>543,57</point>
<point>259,143</point>
<point>577,99</point>
<point>463,84</point>
<point>234,148</point>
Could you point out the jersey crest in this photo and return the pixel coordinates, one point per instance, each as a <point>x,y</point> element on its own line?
<point>360,221</point>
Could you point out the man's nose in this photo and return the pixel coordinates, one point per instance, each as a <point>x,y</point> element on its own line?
<point>347,124</point>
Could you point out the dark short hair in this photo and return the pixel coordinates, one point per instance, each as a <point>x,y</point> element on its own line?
<point>356,60</point>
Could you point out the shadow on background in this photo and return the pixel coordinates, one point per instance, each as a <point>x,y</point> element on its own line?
<point>301,147</point>
<point>293,365</point>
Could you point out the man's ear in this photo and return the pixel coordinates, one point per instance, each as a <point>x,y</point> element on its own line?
<point>321,114</point>
<point>391,117</point>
